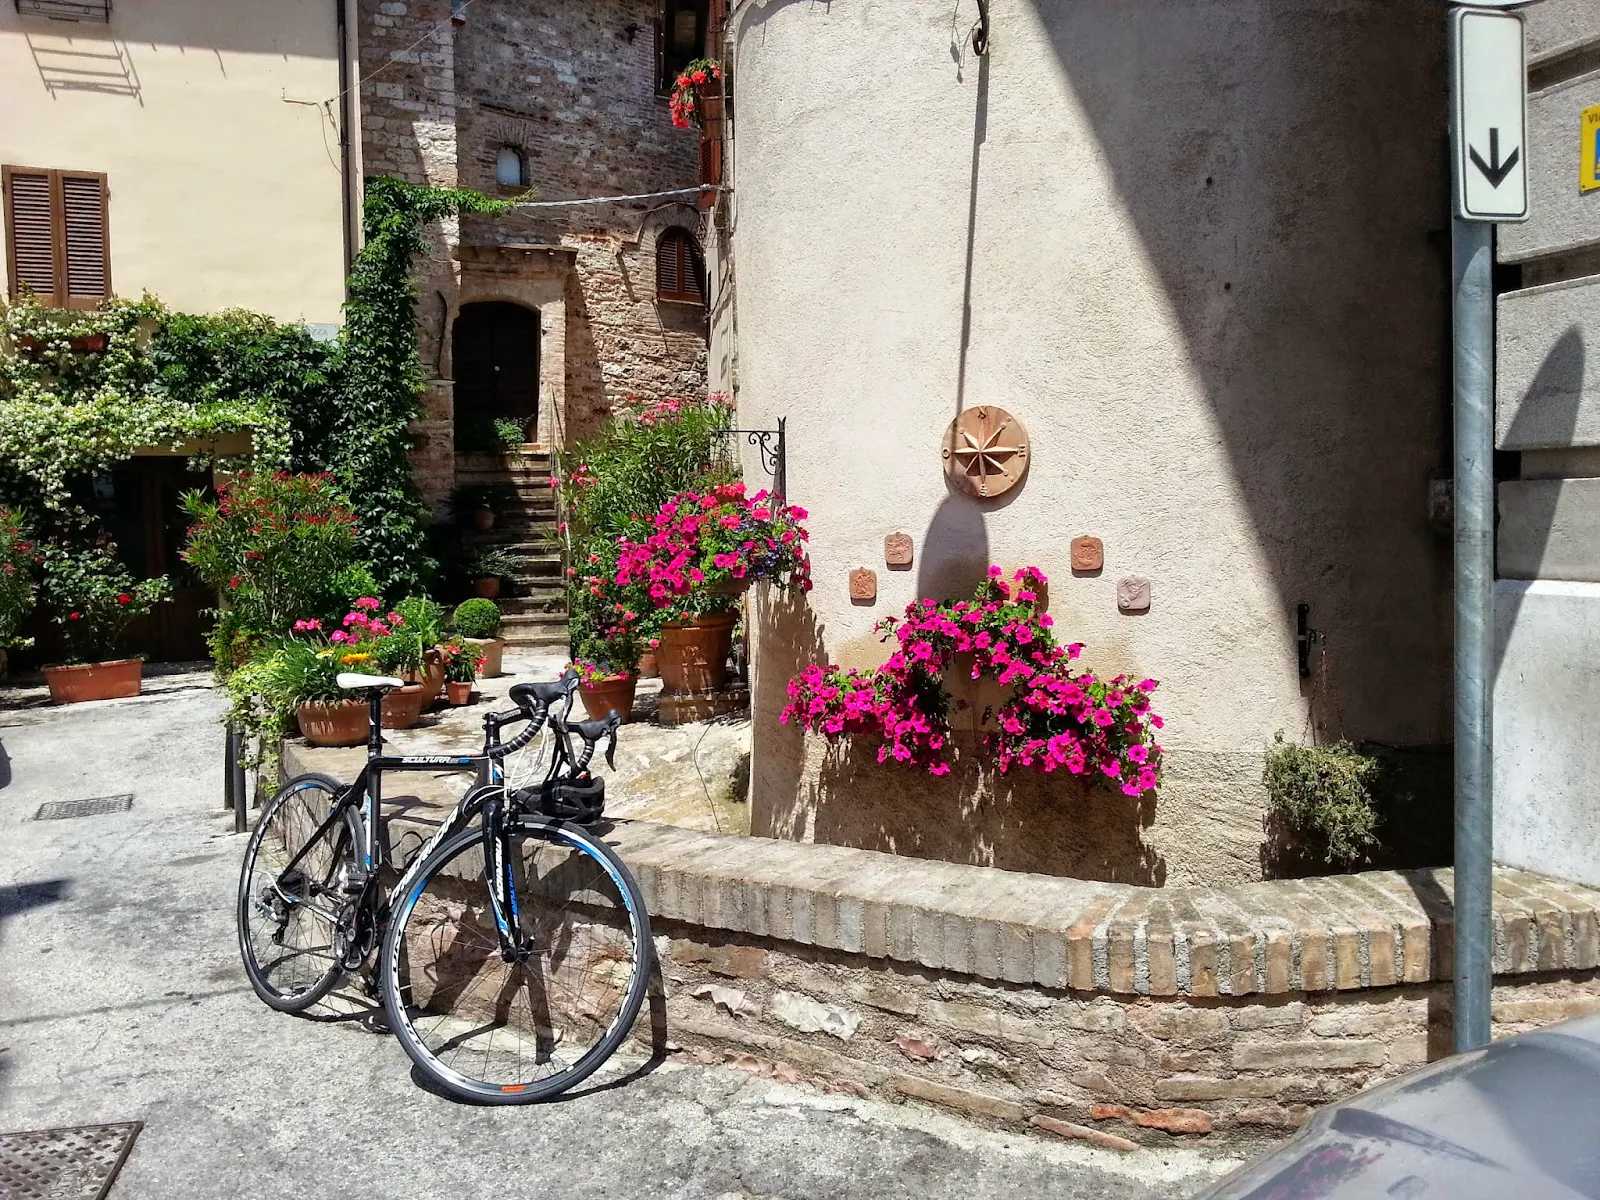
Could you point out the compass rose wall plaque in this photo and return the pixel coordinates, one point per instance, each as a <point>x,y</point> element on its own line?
<point>985,452</point>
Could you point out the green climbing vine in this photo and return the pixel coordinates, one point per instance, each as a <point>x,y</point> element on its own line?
<point>80,391</point>
<point>380,381</point>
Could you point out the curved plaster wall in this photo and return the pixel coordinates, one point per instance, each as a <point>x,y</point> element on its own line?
<point>1195,247</point>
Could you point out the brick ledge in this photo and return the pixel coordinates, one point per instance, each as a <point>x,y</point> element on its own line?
<point>1333,933</point>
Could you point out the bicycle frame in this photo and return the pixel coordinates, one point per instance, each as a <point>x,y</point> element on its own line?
<point>367,791</point>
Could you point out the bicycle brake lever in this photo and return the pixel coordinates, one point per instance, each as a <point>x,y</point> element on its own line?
<point>611,749</point>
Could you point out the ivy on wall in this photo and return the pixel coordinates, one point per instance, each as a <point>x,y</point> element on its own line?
<point>380,381</point>
<point>80,391</point>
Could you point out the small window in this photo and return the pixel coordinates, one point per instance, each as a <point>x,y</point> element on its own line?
<point>681,37</point>
<point>510,168</point>
<point>679,274</point>
<point>57,237</point>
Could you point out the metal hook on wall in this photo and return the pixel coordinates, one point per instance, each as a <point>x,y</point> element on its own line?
<point>980,31</point>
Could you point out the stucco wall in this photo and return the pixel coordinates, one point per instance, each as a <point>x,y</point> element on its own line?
<point>1194,247</point>
<point>207,117</point>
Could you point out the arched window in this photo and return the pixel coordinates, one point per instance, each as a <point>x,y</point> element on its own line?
<point>510,168</point>
<point>679,275</point>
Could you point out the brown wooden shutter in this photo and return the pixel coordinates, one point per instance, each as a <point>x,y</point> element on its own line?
<point>57,235</point>
<point>669,278</point>
<point>678,268</point>
<point>83,221</point>
<point>30,232</point>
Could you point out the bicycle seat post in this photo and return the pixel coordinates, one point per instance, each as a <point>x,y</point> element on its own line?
<point>374,723</point>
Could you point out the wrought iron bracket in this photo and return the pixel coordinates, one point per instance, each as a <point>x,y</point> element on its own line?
<point>774,451</point>
<point>1305,638</point>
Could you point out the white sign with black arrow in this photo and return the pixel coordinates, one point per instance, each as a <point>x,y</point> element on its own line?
<point>1489,88</point>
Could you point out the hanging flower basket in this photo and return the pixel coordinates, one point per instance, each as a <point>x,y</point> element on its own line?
<point>692,84</point>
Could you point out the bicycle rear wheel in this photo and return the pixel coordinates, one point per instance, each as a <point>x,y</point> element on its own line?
<point>288,917</point>
<point>490,1031</point>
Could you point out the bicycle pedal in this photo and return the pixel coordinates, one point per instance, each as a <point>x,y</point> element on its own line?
<point>376,1022</point>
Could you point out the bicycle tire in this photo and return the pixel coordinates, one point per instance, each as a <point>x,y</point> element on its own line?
<point>308,986</point>
<point>425,1003</point>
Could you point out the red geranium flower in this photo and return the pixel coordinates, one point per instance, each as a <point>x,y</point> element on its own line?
<point>124,598</point>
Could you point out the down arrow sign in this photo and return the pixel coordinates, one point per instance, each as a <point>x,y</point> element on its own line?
<point>1494,170</point>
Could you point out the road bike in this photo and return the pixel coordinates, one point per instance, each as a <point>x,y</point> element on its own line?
<point>513,950</point>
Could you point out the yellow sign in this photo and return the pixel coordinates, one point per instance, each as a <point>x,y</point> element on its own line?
<point>1589,150</point>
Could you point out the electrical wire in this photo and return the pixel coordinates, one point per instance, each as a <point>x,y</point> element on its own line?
<point>704,187</point>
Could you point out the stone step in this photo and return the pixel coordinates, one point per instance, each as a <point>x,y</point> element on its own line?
<point>553,640</point>
<point>534,605</point>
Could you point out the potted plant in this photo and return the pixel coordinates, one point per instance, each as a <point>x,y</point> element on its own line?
<point>479,504</point>
<point>370,643</point>
<point>488,567</point>
<point>650,661</point>
<point>703,548</point>
<point>92,597</point>
<point>510,434</point>
<point>606,688</point>
<point>19,563</point>
<point>422,620</point>
<point>300,676</point>
<point>478,622</point>
<point>462,662</point>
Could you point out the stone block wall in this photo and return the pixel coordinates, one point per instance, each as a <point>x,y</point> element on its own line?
<point>574,91</point>
<point>1112,1070</point>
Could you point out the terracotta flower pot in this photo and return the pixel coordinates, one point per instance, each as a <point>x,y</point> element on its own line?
<point>694,654</point>
<point>733,587</point>
<point>483,520</point>
<point>493,652</point>
<point>95,681</point>
<point>402,707</point>
<point>649,665</point>
<point>335,723</point>
<point>431,677</point>
<point>460,693</point>
<point>89,343</point>
<point>488,587</point>
<point>602,696</point>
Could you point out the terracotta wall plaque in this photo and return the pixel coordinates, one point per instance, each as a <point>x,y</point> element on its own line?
<point>985,452</point>
<point>1133,594</point>
<point>1088,554</point>
<point>863,585</point>
<point>897,550</point>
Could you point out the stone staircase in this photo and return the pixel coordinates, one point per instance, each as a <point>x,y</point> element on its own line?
<point>535,605</point>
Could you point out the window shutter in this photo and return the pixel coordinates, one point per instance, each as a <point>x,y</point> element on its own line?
<point>30,232</point>
<point>678,268</point>
<point>83,211</point>
<point>669,279</point>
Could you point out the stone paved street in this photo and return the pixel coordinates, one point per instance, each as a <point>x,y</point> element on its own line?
<point>121,997</point>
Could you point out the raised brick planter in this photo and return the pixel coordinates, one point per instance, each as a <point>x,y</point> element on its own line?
<point>1113,1014</point>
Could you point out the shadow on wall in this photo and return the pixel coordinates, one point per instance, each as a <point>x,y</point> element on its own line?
<point>1018,822</point>
<point>1291,237</point>
<point>789,640</point>
<point>1547,414</point>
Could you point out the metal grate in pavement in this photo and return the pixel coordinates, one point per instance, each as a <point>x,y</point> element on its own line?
<point>79,1163</point>
<point>60,810</point>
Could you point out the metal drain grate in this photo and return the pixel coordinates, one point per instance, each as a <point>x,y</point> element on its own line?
<point>79,1163</point>
<point>60,810</point>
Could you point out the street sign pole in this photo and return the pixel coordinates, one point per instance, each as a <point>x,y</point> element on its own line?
<point>1488,77</point>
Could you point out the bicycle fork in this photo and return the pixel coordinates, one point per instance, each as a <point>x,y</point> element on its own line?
<point>498,867</point>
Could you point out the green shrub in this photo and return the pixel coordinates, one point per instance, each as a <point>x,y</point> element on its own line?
<point>1324,794</point>
<point>477,618</point>
<point>265,690</point>
<point>495,563</point>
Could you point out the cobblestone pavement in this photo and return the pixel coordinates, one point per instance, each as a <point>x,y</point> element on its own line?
<point>121,997</point>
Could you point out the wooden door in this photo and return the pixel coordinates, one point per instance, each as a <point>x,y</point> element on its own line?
<point>495,349</point>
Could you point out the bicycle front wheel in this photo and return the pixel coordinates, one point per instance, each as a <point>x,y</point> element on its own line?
<point>289,899</point>
<point>491,1031</point>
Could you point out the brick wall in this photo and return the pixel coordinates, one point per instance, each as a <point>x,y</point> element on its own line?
<point>1114,1070</point>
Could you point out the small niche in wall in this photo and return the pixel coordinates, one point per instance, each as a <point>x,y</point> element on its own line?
<point>510,167</point>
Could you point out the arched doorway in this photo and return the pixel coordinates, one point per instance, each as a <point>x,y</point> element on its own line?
<point>494,346</point>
